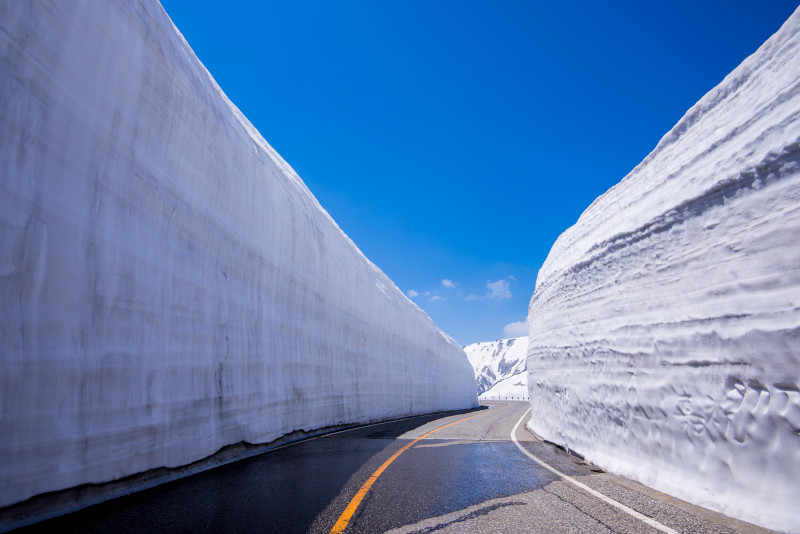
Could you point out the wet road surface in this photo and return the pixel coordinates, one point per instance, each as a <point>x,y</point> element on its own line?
<point>467,477</point>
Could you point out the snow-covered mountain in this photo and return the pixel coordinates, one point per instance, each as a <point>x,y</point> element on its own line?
<point>499,367</point>
<point>168,284</point>
<point>665,324</point>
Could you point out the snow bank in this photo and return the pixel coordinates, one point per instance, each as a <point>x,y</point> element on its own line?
<point>512,387</point>
<point>665,325</point>
<point>499,366</point>
<point>168,284</point>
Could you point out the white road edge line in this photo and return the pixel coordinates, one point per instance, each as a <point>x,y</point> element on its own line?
<point>630,511</point>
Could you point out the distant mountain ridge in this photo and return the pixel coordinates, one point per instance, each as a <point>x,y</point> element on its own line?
<point>496,362</point>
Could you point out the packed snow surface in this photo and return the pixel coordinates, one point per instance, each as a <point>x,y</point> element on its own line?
<point>168,284</point>
<point>665,324</point>
<point>499,367</point>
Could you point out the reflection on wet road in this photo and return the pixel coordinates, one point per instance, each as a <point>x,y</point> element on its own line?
<point>466,477</point>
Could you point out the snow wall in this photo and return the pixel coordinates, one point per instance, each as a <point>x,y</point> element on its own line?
<point>168,285</point>
<point>665,324</point>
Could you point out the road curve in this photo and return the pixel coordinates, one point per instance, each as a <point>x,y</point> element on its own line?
<point>455,472</point>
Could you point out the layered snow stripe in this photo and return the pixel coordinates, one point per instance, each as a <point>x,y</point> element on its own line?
<point>168,285</point>
<point>665,324</point>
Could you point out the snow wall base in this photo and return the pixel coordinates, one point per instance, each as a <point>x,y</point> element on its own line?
<point>665,324</point>
<point>168,285</point>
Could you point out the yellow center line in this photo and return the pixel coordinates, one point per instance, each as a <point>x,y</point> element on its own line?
<point>344,519</point>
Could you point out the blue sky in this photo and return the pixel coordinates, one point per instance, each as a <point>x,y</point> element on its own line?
<point>455,141</point>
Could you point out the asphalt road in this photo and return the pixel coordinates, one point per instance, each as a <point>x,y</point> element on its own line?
<point>467,477</point>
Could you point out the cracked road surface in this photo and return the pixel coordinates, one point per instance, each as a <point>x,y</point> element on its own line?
<point>467,477</point>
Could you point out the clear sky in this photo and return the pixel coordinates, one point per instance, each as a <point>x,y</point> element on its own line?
<point>453,141</point>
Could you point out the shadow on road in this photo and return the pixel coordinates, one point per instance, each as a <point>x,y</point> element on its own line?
<point>294,488</point>
<point>396,429</point>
